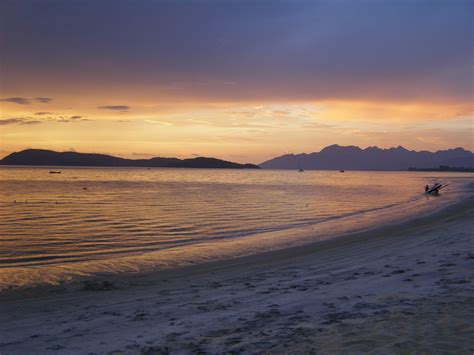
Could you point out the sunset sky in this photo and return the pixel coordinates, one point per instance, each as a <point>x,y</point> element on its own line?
<point>238,80</point>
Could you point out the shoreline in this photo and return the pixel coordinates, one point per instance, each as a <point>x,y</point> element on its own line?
<point>278,255</point>
<point>369,291</point>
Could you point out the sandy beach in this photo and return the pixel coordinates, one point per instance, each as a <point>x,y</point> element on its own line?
<point>400,289</point>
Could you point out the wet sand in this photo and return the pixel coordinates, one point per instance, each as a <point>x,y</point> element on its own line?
<point>401,289</point>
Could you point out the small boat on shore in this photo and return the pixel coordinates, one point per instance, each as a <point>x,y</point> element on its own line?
<point>434,190</point>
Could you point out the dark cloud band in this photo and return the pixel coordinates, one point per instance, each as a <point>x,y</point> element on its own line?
<point>44,100</point>
<point>26,101</point>
<point>18,120</point>
<point>303,49</point>
<point>115,107</point>
<point>16,100</point>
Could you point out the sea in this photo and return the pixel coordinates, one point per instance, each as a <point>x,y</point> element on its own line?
<point>94,221</point>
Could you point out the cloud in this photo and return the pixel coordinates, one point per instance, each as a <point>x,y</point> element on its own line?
<point>26,101</point>
<point>18,120</point>
<point>398,111</point>
<point>199,122</point>
<point>281,112</point>
<point>8,121</point>
<point>16,100</point>
<point>163,123</point>
<point>115,107</point>
<point>295,50</point>
<point>317,126</point>
<point>44,100</point>
<point>75,118</point>
<point>30,122</point>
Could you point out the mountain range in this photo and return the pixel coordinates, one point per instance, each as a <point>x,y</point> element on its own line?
<point>50,158</point>
<point>337,157</point>
<point>333,157</point>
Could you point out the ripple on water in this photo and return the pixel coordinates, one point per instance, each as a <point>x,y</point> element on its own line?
<point>131,219</point>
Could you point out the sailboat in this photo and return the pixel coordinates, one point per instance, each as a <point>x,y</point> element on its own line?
<point>300,169</point>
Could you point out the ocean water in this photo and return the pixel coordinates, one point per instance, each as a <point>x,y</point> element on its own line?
<point>88,221</point>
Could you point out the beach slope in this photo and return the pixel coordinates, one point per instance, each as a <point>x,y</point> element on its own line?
<point>401,289</point>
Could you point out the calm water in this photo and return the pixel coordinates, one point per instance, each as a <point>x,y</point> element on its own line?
<point>92,220</point>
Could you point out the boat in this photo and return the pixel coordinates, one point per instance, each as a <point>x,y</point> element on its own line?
<point>55,172</point>
<point>341,171</point>
<point>433,190</point>
<point>300,168</point>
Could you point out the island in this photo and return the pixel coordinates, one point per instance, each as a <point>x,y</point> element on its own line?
<point>42,157</point>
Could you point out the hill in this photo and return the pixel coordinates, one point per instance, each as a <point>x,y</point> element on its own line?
<point>50,158</point>
<point>337,157</point>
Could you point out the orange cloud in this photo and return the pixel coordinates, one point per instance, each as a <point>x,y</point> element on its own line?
<point>397,111</point>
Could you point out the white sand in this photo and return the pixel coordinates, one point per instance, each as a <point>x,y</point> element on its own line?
<point>402,289</point>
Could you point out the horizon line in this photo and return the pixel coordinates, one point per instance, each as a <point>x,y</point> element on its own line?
<point>151,156</point>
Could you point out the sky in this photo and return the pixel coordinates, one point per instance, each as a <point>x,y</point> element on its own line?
<point>239,80</point>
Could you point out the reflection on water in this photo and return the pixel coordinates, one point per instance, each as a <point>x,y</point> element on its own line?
<point>109,219</point>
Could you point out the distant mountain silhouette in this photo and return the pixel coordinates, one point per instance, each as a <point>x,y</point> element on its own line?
<point>336,157</point>
<point>51,158</point>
